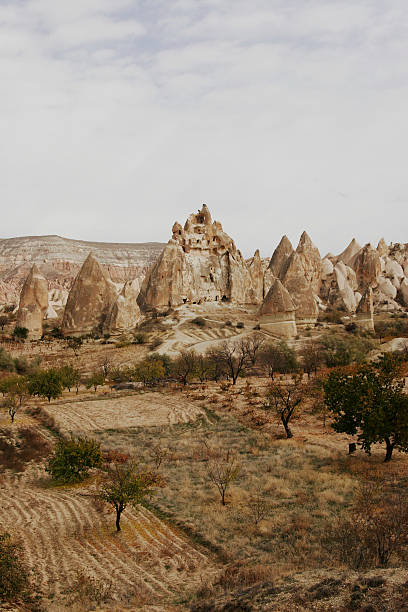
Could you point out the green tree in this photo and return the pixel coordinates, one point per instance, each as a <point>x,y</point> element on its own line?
<point>6,361</point>
<point>370,403</point>
<point>149,371</point>
<point>70,377</point>
<point>126,484</point>
<point>279,357</point>
<point>96,379</point>
<point>184,366</point>
<point>73,458</point>
<point>46,383</point>
<point>20,332</point>
<point>75,344</point>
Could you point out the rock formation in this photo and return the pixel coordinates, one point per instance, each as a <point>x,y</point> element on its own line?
<point>256,270</point>
<point>280,258</point>
<point>311,262</point>
<point>367,266</point>
<point>89,301</point>
<point>33,304</point>
<point>277,313</point>
<point>347,256</point>
<point>199,264</point>
<point>300,290</point>
<point>125,313</point>
<point>365,311</point>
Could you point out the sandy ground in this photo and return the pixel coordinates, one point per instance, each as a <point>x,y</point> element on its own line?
<point>136,410</point>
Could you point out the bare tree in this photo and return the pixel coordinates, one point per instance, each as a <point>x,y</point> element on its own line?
<point>254,343</point>
<point>184,366</point>
<point>284,397</point>
<point>258,507</point>
<point>311,357</point>
<point>234,356</point>
<point>105,364</point>
<point>223,469</point>
<point>278,357</point>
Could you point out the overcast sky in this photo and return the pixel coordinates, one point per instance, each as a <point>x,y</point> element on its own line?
<point>118,117</point>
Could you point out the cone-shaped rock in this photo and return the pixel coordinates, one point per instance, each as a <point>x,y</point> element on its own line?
<point>365,310</point>
<point>367,266</point>
<point>90,300</point>
<point>199,264</point>
<point>125,313</point>
<point>257,276</point>
<point>277,313</point>
<point>382,248</point>
<point>280,258</point>
<point>33,303</point>
<point>349,252</point>
<point>311,261</point>
<point>300,290</point>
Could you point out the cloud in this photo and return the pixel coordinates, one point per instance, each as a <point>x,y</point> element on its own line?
<point>116,118</point>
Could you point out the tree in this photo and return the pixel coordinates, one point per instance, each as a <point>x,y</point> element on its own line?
<point>184,366</point>
<point>75,344</point>
<point>149,371</point>
<point>106,364</point>
<point>311,358</point>
<point>3,321</point>
<point>16,389</point>
<point>279,357</point>
<point>370,403</point>
<point>126,484</point>
<point>254,343</point>
<point>46,383</point>
<point>73,458</point>
<point>96,378</point>
<point>204,367</point>
<point>20,332</point>
<point>284,397</point>
<point>70,377</point>
<point>234,358</point>
<point>223,468</point>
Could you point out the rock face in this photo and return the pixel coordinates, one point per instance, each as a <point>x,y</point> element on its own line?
<point>59,261</point>
<point>311,262</point>
<point>33,304</point>
<point>367,266</point>
<point>125,313</point>
<point>199,264</point>
<point>347,256</point>
<point>280,258</point>
<point>277,313</point>
<point>256,271</point>
<point>90,300</point>
<point>365,311</point>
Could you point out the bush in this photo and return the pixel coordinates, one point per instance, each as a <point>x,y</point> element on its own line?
<point>13,570</point>
<point>6,361</point>
<point>228,323</point>
<point>332,316</point>
<point>199,321</point>
<point>139,339</point>
<point>72,459</point>
<point>240,325</point>
<point>20,332</point>
<point>155,343</point>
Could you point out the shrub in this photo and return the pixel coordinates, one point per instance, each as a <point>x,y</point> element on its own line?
<point>73,458</point>
<point>240,325</point>
<point>228,323</point>
<point>13,570</point>
<point>155,343</point>
<point>6,361</point>
<point>20,332</point>
<point>199,321</point>
<point>140,339</point>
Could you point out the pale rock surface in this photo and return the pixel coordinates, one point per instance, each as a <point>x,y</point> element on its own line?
<point>404,291</point>
<point>382,248</point>
<point>33,304</point>
<point>256,271</point>
<point>365,311</point>
<point>90,299</point>
<point>199,264</point>
<point>280,258</point>
<point>300,290</point>
<point>387,288</point>
<point>277,313</point>
<point>367,266</point>
<point>327,268</point>
<point>50,313</point>
<point>349,253</point>
<point>125,313</point>
<point>311,262</point>
<point>394,271</point>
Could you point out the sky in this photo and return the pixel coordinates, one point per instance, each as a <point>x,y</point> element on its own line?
<point>119,117</point>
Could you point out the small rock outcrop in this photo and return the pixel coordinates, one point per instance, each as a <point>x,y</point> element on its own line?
<point>125,313</point>
<point>33,304</point>
<point>365,311</point>
<point>277,313</point>
<point>90,300</point>
<point>199,264</point>
<point>367,266</point>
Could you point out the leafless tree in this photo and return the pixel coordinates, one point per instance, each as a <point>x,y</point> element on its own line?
<point>185,365</point>
<point>258,507</point>
<point>223,469</point>
<point>254,343</point>
<point>310,357</point>
<point>105,364</point>
<point>234,356</point>
<point>284,397</point>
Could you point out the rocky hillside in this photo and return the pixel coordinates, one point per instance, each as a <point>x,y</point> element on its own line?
<point>59,260</point>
